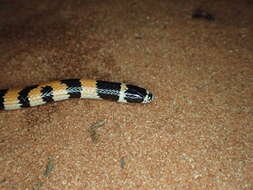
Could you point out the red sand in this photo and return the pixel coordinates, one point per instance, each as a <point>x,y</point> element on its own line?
<point>197,134</point>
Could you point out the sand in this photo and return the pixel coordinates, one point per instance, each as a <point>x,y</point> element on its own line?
<point>196,134</point>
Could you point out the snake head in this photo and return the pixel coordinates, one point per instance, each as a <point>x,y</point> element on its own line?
<point>135,94</point>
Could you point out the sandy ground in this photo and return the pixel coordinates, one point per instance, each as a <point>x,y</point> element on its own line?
<point>196,134</point>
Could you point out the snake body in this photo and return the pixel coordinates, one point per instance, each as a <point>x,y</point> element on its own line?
<point>13,99</point>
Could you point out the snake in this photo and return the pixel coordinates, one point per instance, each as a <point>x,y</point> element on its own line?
<point>35,95</point>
